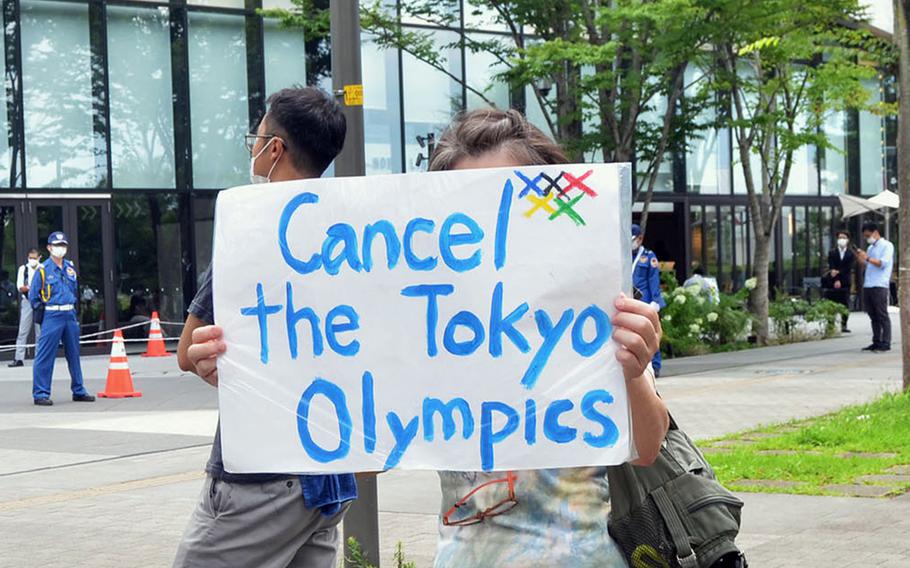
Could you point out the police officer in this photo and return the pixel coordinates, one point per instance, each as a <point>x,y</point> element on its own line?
<point>55,286</point>
<point>646,280</point>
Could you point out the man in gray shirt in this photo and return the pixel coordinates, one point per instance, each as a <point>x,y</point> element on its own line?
<point>266,520</point>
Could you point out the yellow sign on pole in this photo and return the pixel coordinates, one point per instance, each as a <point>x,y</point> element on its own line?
<point>353,95</point>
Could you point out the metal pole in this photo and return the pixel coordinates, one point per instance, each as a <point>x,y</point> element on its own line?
<point>347,83</point>
<point>362,519</point>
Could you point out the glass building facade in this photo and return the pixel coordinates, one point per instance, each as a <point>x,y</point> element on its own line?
<point>124,118</point>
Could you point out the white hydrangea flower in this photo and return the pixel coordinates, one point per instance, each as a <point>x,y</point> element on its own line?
<point>712,316</point>
<point>694,329</point>
<point>681,299</point>
<point>751,283</point>
<point>668,318</point>
<point>700,300</point>
<point>693,290</point>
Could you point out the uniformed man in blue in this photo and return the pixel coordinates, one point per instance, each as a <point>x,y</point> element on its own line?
<point>646,280</point>
<point>55,285</point>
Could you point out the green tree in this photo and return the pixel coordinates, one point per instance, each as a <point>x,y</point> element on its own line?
<point>608,74</point>
<point>786,64</point>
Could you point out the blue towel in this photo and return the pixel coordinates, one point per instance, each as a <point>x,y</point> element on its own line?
<point>328,492</point>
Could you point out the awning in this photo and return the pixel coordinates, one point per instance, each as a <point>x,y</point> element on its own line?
<point>853,206</point>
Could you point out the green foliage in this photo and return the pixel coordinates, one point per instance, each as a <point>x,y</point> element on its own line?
<point>812,452</point>
<point>827,313</point>
<point>698,320</point>
<point>787,314</point>
<point>355,555</point>
<point>399,559</point>
<point>357,558</point>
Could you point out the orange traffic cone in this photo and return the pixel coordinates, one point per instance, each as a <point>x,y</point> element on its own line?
<point>119,378</point>
<point>156,346</point>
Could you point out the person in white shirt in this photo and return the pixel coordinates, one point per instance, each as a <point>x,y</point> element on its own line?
<point>878,260</point>
<point>26,313</point>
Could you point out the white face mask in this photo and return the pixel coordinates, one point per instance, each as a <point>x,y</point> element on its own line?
<point>255,178</point>
<point>32,262</point>
<point>636,244</point>
<point>842,243</point>
<point>870,241</point>
<point>58,251</point>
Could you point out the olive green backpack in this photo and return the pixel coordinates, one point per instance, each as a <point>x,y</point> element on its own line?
<point>674,513</point>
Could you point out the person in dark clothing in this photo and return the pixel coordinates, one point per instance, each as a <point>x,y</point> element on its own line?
<point>839,279</point>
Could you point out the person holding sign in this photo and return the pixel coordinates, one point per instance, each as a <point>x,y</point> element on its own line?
<point>551,517</point>
<point>266,520</point>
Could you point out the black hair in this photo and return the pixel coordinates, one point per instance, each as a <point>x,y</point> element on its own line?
<point>32,250</point>
<point>699,271</point>
<point>842,232</point>
<point>870,227</point>
<point>312,125</point>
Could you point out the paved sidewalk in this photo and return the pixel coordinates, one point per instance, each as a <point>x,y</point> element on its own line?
<point>111,484</point>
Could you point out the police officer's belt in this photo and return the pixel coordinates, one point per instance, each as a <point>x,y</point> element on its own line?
<point>61,308</point>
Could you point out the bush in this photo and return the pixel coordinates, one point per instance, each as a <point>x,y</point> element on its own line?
<point>788,313</point>
<point>697,320</point>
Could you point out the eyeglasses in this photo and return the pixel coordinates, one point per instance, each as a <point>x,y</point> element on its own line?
<point>250,139</point>
<point>503,506</point>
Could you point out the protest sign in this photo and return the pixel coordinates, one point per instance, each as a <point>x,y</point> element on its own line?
<point>451,320</point>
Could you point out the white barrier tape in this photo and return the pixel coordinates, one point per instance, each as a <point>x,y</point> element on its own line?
<point>131,326</point>
<point>7,348</point>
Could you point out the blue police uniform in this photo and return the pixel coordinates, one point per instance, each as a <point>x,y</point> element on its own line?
<point>59,294</point>
<point>646,279</point>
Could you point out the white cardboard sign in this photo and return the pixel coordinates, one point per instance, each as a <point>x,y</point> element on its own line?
<point>453,320</point>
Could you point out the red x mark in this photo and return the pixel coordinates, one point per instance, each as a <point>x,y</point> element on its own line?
<point>577,183</point>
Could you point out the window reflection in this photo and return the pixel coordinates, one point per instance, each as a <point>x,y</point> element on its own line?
<point>57,89</point>
<point>834,158</point>
<point>381,108</point>
<point>285,63</point>
<point>481,69</point>
<point>871,144</point>
<point>431,97</point>
<point>142,123</point>
<point>218,100</point>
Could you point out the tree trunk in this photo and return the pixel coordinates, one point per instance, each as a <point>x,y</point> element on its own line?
<point>761,293</point>
<point>902,38</point>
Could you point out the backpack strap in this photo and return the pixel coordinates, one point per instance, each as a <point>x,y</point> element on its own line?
<point>684,553</point>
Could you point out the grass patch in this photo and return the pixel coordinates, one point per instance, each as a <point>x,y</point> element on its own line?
<point>880,427</point>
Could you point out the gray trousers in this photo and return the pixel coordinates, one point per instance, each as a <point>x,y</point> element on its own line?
<point>26,320</point>
<point>876,303</point>
<point>261,525</point>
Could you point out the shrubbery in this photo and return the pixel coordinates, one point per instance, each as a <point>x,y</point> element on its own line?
<point>698,320</point>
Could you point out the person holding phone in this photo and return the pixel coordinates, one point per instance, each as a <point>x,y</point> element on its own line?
<point>878,261</point>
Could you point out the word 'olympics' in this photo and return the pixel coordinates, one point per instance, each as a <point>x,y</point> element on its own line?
<point>458,242</point>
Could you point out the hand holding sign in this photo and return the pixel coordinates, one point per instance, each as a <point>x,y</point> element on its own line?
<point>459,320</point>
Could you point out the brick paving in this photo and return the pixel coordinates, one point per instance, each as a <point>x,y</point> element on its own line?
<point>112,484</point>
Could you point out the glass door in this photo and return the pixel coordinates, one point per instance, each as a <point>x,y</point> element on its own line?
<point>87,224</point>
<point>9,265</point>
